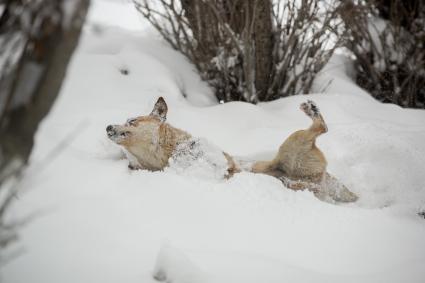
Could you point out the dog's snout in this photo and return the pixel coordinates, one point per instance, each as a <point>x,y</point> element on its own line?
<point>110,131</point>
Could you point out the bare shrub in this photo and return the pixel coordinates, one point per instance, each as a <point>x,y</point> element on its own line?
<point>37,39</point>
<point>249,50</point>
<point>7,230</point>
<point>8,175</point>
<point>387,38</point>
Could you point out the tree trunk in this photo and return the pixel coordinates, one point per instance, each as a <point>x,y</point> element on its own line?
<point>250,20</point>
<point>263,38</point>
<point>203,25</point>
<point>30,85</point>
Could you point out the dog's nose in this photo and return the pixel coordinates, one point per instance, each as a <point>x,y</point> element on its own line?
<point>109,128</point>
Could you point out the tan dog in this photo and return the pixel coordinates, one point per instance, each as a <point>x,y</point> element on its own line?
<point>299,164</point>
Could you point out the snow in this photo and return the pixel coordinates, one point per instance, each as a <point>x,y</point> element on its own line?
<point>115,13</point>
<point>198,158</point>
<point>173,264</point>
<point>93,220</point>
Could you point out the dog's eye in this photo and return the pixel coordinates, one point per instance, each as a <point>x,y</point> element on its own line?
<point>124,134</point>
<point>131,122</point>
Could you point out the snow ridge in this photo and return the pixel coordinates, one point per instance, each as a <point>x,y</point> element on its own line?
<point>198,158</point>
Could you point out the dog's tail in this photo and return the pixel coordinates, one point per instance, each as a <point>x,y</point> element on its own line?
<point>232,168</point>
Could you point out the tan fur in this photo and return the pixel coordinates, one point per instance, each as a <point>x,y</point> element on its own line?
<point>154,143</point>
<point>298,157</point>
<point>233,167</point>
<point>151,142</point>
<point>299,164</point>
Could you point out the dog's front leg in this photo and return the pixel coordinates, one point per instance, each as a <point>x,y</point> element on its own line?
<point>134,166</point>
<point>133,163</point>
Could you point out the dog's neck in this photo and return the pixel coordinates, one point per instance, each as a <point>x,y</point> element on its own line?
<point>155,156</point>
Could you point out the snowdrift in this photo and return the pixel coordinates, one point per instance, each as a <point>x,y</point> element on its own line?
<point>99,222</point>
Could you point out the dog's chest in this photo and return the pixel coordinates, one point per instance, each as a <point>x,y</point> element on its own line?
<point>150,156</point>
<point>151,153</point>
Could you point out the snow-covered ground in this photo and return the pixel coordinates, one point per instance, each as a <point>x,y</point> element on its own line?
<point>96,221</point>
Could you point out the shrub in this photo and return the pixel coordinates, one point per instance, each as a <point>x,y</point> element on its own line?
<point>387,38</point>
<point>249,50</point>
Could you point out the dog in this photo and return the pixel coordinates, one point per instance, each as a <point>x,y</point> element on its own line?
<point>151,143</point>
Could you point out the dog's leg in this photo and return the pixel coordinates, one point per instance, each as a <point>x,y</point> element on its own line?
<point>319,126</point>
<point>232,166</point>
<point>298,156</point>
<point>299,185</point>
<point>133,163</point>
<point>267,167</point>
<point>134,166</point>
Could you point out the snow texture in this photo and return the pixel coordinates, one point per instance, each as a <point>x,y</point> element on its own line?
<point>198,158</point>
<point>94,220</point>
<point>173,265</point>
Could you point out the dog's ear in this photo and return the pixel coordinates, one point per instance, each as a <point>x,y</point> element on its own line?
<point>160,110</point>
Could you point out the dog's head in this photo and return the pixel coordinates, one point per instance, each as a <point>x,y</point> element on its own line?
<point>142,129</point>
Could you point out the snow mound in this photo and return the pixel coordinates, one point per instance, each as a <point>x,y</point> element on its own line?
<point>172,265</point>
<point>98,215</point>
<point>198,158</point>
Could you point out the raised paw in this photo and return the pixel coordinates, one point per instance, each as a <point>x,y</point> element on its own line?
<point>310,109</point>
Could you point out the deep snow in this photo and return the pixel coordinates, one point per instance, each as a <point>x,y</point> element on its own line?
<point>96,221</point>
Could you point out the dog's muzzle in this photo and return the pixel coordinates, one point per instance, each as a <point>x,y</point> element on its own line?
<point>110,131</point>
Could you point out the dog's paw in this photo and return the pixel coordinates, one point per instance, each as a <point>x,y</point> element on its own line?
<point>310,109</point>
<point>134,167</point>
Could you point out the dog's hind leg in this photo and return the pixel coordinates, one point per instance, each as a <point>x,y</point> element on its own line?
<point>232,166</point>
<point>298,157</point>
<point>318,126</point>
